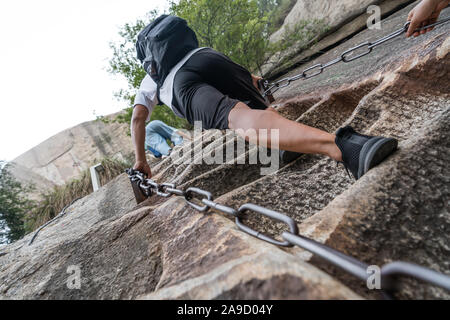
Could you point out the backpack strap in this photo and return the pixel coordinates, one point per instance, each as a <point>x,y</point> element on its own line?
<point>158,87</point>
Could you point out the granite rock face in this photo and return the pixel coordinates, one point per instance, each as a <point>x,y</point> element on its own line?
<point>163,249</point>
<point>63,156</point>
<point>334,13</point>
<point>341,20</point>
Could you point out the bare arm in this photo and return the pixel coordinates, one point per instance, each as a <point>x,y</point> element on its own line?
<point>425,13</point>
<point>140,114</point>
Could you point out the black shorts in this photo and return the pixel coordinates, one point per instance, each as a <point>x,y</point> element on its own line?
<point>209,85</point>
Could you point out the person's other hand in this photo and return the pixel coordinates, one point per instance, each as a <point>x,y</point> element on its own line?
<point>425,13</point>
<point>143,166</point>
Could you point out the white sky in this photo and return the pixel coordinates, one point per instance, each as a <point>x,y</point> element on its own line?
<point>53,60</point>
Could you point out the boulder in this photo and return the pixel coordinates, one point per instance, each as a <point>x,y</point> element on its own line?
<point>334,13</point>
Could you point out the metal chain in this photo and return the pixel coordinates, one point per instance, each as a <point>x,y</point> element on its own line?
<point>389,272</point>
<point>346,56</point>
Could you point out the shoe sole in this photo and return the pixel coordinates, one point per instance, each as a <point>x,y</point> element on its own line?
<point>374,152</point>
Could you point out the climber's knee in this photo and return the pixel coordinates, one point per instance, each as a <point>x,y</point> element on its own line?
<point>237,115</point>
<point>243,117</point>
<point>153,125</point>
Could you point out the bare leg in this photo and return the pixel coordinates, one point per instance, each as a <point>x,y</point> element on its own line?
<point>293,136</point>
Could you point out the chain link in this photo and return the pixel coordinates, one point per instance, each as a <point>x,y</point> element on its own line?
<point>268,213</point>
<point>347,56</point>
<point>188,196</point>
<point>221,208</point>
<point>389,272</point>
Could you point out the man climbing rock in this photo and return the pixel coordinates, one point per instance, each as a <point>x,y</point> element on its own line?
<point>201,84</point>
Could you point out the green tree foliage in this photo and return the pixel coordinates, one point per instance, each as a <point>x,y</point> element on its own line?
<point>241,28</point>
<point>13,206</point>
<point>267,6</point>
<point>124,61</point>
<point>237,28</point>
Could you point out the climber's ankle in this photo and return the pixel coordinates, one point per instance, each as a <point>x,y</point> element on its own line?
<point>334,152</point>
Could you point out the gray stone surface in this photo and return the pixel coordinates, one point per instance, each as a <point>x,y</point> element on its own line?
<point>334,13</point>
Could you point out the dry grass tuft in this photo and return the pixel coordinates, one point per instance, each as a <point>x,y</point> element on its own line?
<point>54,201</point>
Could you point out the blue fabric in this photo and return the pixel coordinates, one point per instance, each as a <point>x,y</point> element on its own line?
<point>155,153</point>
<point>156,135</point>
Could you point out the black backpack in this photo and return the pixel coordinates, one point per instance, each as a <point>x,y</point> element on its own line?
<point>162,44</point>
